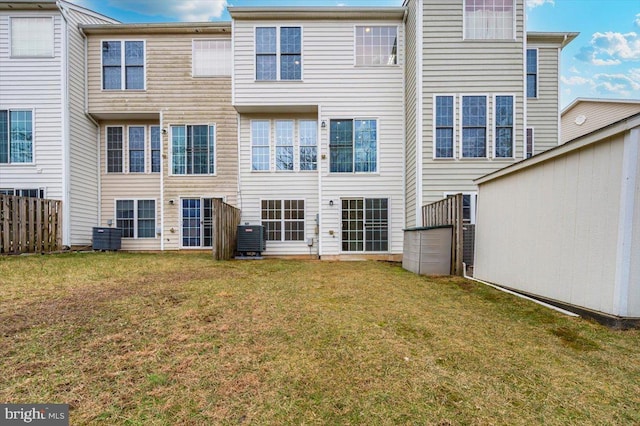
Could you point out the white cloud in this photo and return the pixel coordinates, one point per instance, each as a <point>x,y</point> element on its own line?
<point>638,20</point>
<point>574,70</point>
<point>611,48</point>
<point>535,3</point>
<point>575,80</point>
<point>618,84</point>
<point>182,10</point>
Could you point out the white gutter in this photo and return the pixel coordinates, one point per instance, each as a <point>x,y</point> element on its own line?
<point>419,112</point>
<point>162,239</point>
<point>66,149</point>
<point>238,123</point>
<point>522,296</point>
<point>319,166</point>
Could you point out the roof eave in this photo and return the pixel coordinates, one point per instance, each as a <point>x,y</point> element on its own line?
<point>164,28</point>
<point>317,13</point>
<point>559,38</point>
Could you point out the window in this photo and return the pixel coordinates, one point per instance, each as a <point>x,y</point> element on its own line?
<point>16,136</point>
<point>504,127</point>
<point>530,143</point>
<point>489,19</point>
<point>193,149</point>
<point>308,130</point>
<point>474,126</point>
<point>376,45</point>
<point>156,143</point>
<point>211,58</point>
<point>136,149</point>
<point>283,219</point>
<point>365,225</point>
<point>353,145</point>
<point>32,37</point>
<point>123,65</point>
<point>136,218</point>
<point>260,145</point>
<point>115,144</point>
<point>284,145</point>
<point>532,73</point>
<point>34,193</point>
<point>197,222</point>
<point>444,120</point>
<point>278,53</point>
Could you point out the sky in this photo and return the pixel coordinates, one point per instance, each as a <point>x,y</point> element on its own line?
<point>602,62</point>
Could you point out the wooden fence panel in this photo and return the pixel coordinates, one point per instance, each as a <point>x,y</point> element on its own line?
<point>448,212</point>
<point>29,225</point>
<point>226,219</point>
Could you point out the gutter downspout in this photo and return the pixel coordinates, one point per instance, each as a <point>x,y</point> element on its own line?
<point>162,239</point>
<point>66,149</point>
<point>320,162</point>
<point>419,108</point>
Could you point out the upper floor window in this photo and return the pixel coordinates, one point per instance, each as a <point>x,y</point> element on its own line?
<point>211,58</point>
<point>504,127</point>
<point>474,126</point>
<point>278,53</point>
<point>529,148</point>
<point>353,145</point>
<point>123,64</point>
<point>489,19</point>
<point>532,73</point>
<point>16,136</point>
<point>193,149</point>
<point>132,142</point>
<point>376,45</point>
<point>32,37</point>
<point>444,120</point>
<point>136,149</point>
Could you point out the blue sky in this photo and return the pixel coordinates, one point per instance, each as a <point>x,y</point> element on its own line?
<point>603,62</point>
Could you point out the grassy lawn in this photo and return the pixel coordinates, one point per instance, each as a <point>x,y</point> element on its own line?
<point>145,339</point>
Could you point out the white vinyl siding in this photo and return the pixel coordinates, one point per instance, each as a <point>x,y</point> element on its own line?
<point>32,37</point>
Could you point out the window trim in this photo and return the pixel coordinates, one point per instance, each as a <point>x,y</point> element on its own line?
<point>276,145</point>
<point>40,57</point>
<point>123,83</point>
<point>42,191</point>
<point>355,45</point>
<point>473,204</point>
<point>435,126</point>
<point>298,146</point>
<point>9,163</point>
<point>283,221</point>
<point>495,126</point>
<point>527,73</point>
<point>364,228</point>
<point>135,217</point>
<point>353,144</point>
<point>106,149</point>
<point>461,127</point>
<point>193,55</point>
<point>526,142</point>
<point>146,147</point>
<point>513,26</point>
<point>170,149</point>
<point>149,127</point>
<point>278,53</point>
<point>269,146</point>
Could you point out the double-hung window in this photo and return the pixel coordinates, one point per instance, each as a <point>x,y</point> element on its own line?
<point>308,130</point>
<point>377,45</point>
<point>31,37</point>
<point>530,143</point>
<point>211,58</point>
<point>156,143</point>
<point>284,145</point>
<point>260,145</point>
<point>136,218</point>
<point>353,146</point>
<point>136,149</point>
<point>123,65</point>
<point>115,146</point>
<point>283,219</point>
<point>193,149</point>
<point>474,126</point>
<point>365,224</point>
<point>278,53</point>
<point>444,127</point>
<point>16,136</point>
<point>532,73</point>
<point>489,19</point>
<point>504,141</point>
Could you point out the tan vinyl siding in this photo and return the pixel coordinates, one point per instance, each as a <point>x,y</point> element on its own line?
<point>177,98</point>
<point>597,115</point>
<point>83,166</point>
<point>453,66</point>
<point>35,84</point>
<point>411,111</point>
<point>543,112</point>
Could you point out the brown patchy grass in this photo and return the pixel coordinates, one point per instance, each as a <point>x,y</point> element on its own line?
<point>143,339</point>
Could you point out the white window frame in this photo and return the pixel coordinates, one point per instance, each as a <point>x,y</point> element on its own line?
<point>269,146</point>
<point>355,46</point>
<point>526,73</point>
<point>533,142</point>
<point>278,145</point>
<point>278,53</point>
<point>461,127</point>
<point>202,219</point>
<point>135,217</point>
<point>283,221</point>
<point>353,141</point>
<point>473,204</point>
<point>364,224</point>
<point>52,38</point>
<point>146,146</point>
<point>299,146</point>
<point>495,126</point>
<point>123,74</point>
<point>9,163</point>
<point>193,57</point>
<point>435,114</point>
<point>464,25</point>
<point>42,191</point>
<point>215,149</point>
<point>150,168</point>
<point>123,149</point>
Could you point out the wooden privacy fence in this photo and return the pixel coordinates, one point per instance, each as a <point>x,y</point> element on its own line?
<point>30,225</point>
<point>226,219</point>
<point>448,212</point>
